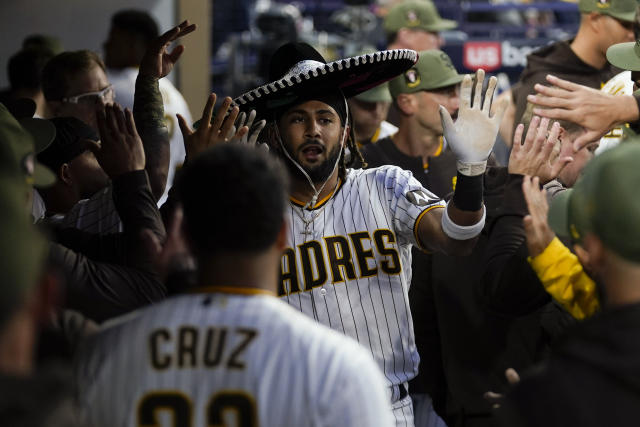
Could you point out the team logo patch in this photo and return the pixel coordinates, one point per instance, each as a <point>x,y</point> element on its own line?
<point>412,18</point>
<point>603,4</point>
<point>420,198</point>
<point>412,77</point>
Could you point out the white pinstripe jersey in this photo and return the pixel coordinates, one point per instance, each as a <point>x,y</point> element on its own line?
<point>351,270</point>
<point>98,214</point>
<point>200,357</point>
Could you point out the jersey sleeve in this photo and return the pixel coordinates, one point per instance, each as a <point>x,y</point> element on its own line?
<point>408,201</point>
<point>564,278</point>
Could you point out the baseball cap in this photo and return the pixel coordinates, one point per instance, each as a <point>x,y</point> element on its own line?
<point>434,70</point>
<point>621,9</point>
<point>604,202</point>
<point>23,139</point>
<point>70,141</point>
<point>416,14</point>
<point>625,55</point>
<point>22,247</point>
<point>378,93</point>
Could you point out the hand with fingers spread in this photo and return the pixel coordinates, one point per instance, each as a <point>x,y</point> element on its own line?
<point>158,61</point>
<point>251,136</point>
<point>538,155</point>
<point>210,132</point>
<point>598,112</point>
<point>473,134</point>
<point>539,234</point>
<point>121,149</point>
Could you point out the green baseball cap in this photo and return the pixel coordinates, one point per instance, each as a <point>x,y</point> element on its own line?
<point>434,70</point>
<point>416,14</point>
<point>22,247</point>
<point>379,93</point>
<point>621,9</point>
<point>625,55</point>
<point>25,139</point>
<point>604,202</point>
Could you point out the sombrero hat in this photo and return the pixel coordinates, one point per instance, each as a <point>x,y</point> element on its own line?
<point>298,70</point>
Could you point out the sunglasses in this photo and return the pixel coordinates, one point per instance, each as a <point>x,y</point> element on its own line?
<point>91,98</point>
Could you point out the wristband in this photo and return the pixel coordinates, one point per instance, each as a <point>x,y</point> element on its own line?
<point>471,168</point>
<point>468,193</point>
<point>462,232</point>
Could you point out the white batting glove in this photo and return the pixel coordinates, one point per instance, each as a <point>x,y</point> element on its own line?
<point>473,134</point>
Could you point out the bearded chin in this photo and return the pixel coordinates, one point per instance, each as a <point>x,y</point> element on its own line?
<point>319,173</point>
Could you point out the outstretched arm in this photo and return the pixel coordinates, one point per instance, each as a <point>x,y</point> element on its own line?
<point>148,108</point>
<point>508,284</point>
<point>596,111</point>
<point>454,229</point>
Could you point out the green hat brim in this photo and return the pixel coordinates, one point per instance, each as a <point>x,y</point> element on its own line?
<point>559,214</point>
<point>440,25</point>
<point>629,16</point>
<point>450,81</point>
<point>379,93</point>
<point>623,55</point>
<point>43,177</point>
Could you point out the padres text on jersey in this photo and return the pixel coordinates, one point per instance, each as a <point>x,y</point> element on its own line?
<point>348,266</point>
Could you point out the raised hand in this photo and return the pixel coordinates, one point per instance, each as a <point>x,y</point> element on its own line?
<point>536,227</point>
<point>538,155</point>
<point>210,133</point>
<point>596,111</point>
<point>473,134</point>
<point>121,149</point>
<point>158,61</point>
<point>251,136</point>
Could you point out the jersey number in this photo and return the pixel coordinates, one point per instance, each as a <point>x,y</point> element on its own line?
<point>179,406</point>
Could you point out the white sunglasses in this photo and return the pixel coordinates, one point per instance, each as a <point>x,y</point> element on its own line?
<point>107,95</point>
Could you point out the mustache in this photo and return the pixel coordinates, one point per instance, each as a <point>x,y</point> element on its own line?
<point>310,141</point>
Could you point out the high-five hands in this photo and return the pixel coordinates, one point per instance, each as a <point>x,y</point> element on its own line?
<point>228,125</point>
<point>210,132</point>
<point>539,154</point>
<point>539,234</point>
<point>121,149</point>
<point>158,61</point>
<point>473,134</point>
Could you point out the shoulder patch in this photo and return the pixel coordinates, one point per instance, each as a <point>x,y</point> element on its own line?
<point>420,198</point>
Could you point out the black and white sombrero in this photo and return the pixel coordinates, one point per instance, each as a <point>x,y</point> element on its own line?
<point>298,70</point>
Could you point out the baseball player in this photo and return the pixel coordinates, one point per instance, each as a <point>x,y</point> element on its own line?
<point>230,352</point>
<point>347,260</point>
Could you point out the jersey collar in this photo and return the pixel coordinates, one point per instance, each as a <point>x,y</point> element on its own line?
<point>320,202</point>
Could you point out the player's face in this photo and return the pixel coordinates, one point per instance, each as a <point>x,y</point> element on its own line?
<point>312,133</point>
<point>422,40</point>
<point>616,31</point>
<point>367,117</point>
<point>429,103</point>
<point>90,81</point>
<point>570,174</point>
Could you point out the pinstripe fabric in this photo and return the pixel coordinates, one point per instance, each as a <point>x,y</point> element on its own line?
<point>97,214</point>
<point>371,308</point>
<point>296,372</point>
